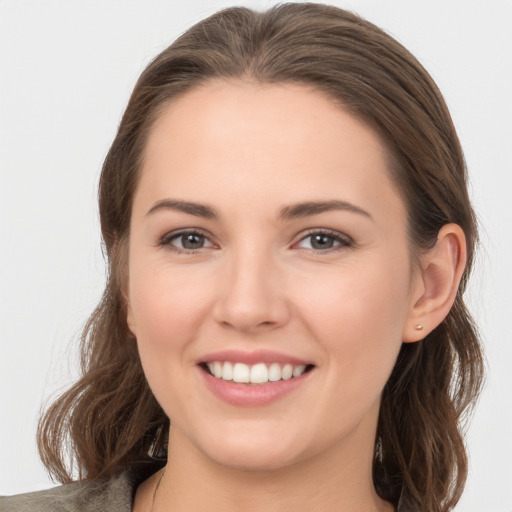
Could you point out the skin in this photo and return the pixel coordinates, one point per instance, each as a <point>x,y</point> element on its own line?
<point>248,151</point>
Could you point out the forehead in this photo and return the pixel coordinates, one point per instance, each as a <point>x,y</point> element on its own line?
<point>222,109</point>
<point>282,143</point>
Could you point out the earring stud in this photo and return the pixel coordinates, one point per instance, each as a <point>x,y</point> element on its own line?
<point>418,327</point>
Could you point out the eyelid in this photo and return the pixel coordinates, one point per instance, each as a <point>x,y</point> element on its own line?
<point>164,241</point>
<point>344,240</point>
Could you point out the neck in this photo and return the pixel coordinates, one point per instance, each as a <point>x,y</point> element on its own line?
<point>339,480</point>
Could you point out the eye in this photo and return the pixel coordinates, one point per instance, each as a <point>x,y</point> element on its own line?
<point>185,241</point>
<point>324,241</point>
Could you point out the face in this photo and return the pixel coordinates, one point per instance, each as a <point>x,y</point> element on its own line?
<point>269,245</point>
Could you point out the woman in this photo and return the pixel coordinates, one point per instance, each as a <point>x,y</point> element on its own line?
<point>289,235</point>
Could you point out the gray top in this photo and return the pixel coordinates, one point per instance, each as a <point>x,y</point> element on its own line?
<point>114,495</point>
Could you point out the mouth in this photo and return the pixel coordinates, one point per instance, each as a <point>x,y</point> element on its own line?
<point>256,374</point>
<point>256,378</point>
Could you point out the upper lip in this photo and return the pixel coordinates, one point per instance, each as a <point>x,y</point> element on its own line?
<point>252,357</point>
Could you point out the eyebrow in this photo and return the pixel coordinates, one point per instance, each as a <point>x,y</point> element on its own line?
<point>306,209</point>
<point>289,212</point>
<point>197,209</point>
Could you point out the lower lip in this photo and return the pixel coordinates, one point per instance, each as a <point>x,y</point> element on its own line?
<point>252,395</point>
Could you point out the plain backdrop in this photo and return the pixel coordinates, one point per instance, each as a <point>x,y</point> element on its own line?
<point>66,71</point>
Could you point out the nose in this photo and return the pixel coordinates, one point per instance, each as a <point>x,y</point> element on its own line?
<point>251,295</point>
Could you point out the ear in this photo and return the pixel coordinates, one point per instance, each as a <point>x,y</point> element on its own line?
<point>436,283</point>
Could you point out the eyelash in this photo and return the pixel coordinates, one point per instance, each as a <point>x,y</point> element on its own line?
<point>166,240</point>
<point>343,241</point>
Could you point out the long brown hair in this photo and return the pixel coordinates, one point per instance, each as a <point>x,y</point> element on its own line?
<point>110,419</point>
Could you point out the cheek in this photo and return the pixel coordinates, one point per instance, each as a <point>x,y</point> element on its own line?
<point>166,305</point>
<point>357,323</point>
<point>167,311</point>
<point>357,316</point>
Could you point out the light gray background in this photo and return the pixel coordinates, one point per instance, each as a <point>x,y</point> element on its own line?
<point>66,71</point>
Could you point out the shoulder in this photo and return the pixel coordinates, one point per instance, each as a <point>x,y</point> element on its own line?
<point>71,497</point>
<point>113,495</point>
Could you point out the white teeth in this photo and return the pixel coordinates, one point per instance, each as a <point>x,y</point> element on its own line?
<point>274,372</point>
<point>240,372</point>
<point>287,372</point>
<point>256,374</point>
<point>299,370</point>
<point>217,369</point>
<point>227,371</point>
<point>259,373</point>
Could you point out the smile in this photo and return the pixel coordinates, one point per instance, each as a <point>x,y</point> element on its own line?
<point>260,373</point>
<point>253,379</point>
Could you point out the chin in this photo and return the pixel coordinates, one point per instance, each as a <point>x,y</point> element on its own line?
<point>253,460</point>
<point>252,453</point>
